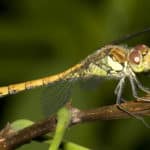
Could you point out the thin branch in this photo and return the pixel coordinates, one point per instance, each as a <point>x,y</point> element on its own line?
<point>11,140</point>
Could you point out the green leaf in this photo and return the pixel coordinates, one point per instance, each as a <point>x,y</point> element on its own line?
<point>20,124</point>
<point>73,146</point>
<point>63,118</point>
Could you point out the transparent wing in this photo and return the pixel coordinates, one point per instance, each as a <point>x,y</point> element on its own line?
<point>55,96</point>
<point>91,82</point>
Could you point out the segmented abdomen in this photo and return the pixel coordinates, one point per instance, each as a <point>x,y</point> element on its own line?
<point>15,88</point>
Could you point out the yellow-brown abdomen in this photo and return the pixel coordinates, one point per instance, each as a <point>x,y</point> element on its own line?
<point>15,88</point>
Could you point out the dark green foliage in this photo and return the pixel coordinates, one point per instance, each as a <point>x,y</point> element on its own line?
<point>39,38</point>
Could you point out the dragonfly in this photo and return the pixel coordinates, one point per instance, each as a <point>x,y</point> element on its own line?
<point>111,61</point>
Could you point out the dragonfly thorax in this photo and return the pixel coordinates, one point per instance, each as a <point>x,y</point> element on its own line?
<point>115,61</point>
<point>108,61</point>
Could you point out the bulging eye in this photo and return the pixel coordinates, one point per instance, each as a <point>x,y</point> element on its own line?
<point>139,58</point>
<point>135,56</point>
<point>137,53</point>
<point>143,49</point>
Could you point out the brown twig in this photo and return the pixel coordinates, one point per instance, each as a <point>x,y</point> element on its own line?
<point>11,140</point>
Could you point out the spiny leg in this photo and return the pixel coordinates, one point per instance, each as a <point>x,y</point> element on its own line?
<point>141,87</point>
<point>133,80</point>
<point>118,91</point>
<point>133,87</point>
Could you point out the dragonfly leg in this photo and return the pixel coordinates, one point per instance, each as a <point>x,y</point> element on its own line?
<point>133,80</point>
<point>133,87</point>
<point>118,91</point>
<point>123,100</point>
<point>141,87</point>
<point>133,115</point>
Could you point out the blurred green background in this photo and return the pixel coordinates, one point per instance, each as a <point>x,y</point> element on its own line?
<point>39,38</point>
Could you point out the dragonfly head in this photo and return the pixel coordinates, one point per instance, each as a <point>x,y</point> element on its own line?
<point>139,58</point>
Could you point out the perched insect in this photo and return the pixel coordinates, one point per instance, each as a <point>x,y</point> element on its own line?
<point>110,61</point>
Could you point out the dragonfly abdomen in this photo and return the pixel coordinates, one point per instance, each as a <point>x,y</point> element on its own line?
<point>16,88</point>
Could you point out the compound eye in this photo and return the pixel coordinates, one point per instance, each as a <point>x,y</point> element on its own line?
<point>135,57</point>
<point>142,48</point>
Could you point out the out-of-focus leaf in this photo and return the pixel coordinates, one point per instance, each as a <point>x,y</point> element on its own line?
<point>73,146</point>
<point>20,124</point>
<point>63,120</point>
